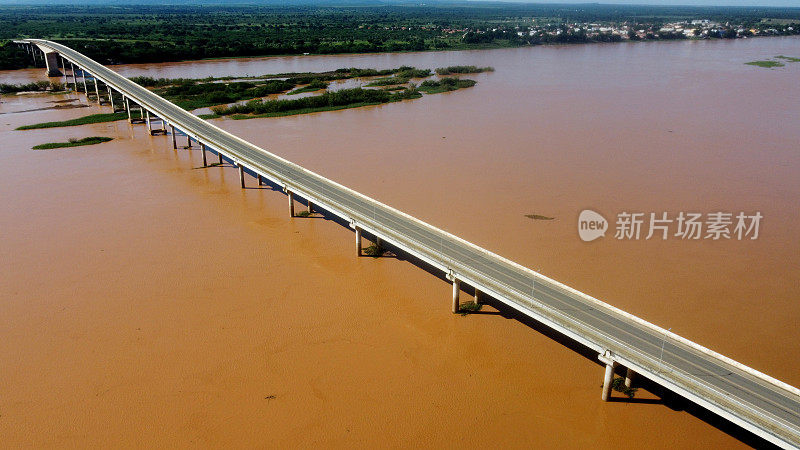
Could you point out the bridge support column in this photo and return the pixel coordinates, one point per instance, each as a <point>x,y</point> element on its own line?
<point>220,157</point>
<point>358,241</point>
<point>64,71</point>
<point>310,207</point>
<point>241,175</point>
<point>203,149</point>
<point>608,379</point>
<point>96,91</point>
<point>290,194</point>
<point>379,245</point>
<point>128,109</point>
<point>259,179</point>
<point>74,76</point>
<point>477,296</point>
<point>51,62</point>
<point>85,89</point>
<point>149,125</point>
<point>456,292</point>
<point>111,98</point>
<point>629,376</point>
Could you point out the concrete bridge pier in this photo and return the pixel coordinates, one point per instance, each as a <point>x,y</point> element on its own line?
<point>174,142</point>
<point>290,194</point>
<point>241,175</point>
<point>456,292</point>
<point>97,91</point>
<point>51,61</point>
<point>85,89</point>
<point>220,157</point>
<point>608,378</point>
<point>64,70</point>
<point>629,376</point>
<point>74,77</point>
<point>141,118</point>
<point>358,241</point>
<point>128,109</point>
<point>111,98</point>
<point>203,150</point>
<point>378,244</point>
<point>310,207</point>
<point>33,55</point>
<point>477,296</point>
<point>154,131</point>
<point>260,180</point>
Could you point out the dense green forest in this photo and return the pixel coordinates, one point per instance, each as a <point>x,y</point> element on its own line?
<point>126,33</point>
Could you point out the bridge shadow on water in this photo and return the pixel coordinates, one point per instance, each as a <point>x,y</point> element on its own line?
<point>665,397</point>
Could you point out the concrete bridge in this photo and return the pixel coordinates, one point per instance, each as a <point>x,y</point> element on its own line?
<point>623,342</point>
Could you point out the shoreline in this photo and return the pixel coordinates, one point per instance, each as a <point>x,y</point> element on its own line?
<point>401,52</point>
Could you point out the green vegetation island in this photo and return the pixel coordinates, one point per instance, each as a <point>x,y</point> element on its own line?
<point>777,61</point>
<point>139,31</point>
<point>249,97</point>
<point>73,142</point>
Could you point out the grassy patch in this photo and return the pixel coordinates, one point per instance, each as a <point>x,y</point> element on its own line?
<point>38,86</point>
<point>401,76</point>
<point>469,307</point>
<point>92,118</point>
<point>373,250</point>
<point>619,385</point>
<point>316,85</point>
<point>329,101</point>
<point>768,64</point>
<point>451,70</point>
<point>193,94</point>
<point>388,81</point>
<point>296,111</point>
<point>538,217</point>
<point>303,214</point>
<point>73,143</point>
<point>788,58</point>
<point>444,85</point>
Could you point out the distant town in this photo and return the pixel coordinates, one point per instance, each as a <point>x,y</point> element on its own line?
<point>573,32</point>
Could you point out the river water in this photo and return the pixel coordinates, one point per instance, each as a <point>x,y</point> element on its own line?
<point>145,295</point>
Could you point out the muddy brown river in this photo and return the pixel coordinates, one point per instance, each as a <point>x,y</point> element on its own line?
<point>147,301</point>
